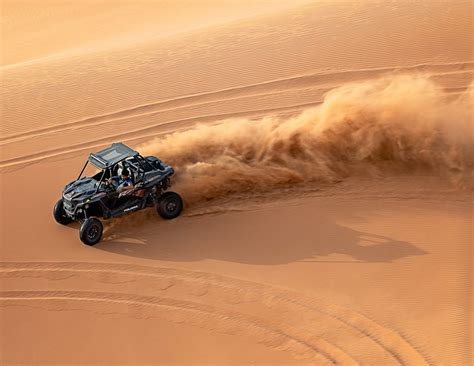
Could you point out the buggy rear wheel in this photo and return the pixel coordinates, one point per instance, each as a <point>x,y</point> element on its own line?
<point>91,231</point>
<point>60,215</point>
<point>170,205</point>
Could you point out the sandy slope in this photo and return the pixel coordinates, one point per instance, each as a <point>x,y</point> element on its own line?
<point>34,30</point>
<point>340,236</point>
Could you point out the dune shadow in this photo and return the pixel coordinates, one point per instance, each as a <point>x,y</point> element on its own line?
<point>259,237</point>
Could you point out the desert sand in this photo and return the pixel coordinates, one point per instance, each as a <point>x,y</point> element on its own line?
<point>325,153</point>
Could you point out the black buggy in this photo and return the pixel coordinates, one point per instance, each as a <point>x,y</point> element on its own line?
<point>88,198</point>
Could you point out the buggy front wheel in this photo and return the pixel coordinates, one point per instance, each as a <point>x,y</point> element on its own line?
<point>91,231</point>
<point>60,215</point>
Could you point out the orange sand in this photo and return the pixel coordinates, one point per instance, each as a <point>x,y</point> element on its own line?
<point>324,150</point>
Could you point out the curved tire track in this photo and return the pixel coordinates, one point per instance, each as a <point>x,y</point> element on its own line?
<point>388,340</point>
<point>271,335</point>
<point>322,80</point>
<point>144,132</point>
<point>258,89</point>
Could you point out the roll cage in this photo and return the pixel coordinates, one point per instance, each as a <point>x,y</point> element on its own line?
<point>109,160</point>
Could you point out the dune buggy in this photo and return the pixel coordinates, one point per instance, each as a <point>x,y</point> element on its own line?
<point>89,198</point>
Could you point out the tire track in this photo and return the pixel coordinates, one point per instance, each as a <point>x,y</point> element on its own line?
<point>144,132</point>
<point>165,126</point>
<point>388,340</point>
<point>265,88</point>
<point>270,335</point>
<point>158,128</point>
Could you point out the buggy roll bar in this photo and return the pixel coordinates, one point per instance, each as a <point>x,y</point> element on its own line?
<point>100,181</point>
<point>83,168</point>
<point>139,159</point>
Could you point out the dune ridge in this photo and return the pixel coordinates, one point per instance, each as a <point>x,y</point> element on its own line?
<point>401,122</point>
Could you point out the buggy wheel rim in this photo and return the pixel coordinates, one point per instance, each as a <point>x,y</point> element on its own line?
<point>171,206</point>
<point>93,232</point>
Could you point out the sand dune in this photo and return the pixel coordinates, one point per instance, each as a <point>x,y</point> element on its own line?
<point>325,153</point>
<point>243,53</point>
<point>30,29</point>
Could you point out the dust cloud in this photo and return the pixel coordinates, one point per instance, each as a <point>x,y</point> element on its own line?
<point>394,124</point>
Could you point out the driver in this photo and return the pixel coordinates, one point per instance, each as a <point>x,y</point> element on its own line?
<point>122,182</point>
